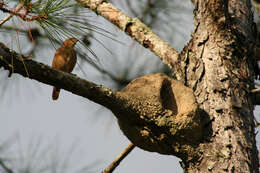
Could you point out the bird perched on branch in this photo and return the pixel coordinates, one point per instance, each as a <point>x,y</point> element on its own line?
<point>65,59</point>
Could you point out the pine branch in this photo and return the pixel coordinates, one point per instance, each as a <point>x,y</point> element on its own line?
<point>12,14</point>
<point>5,167</point>
<point>17,63</point>
<point>140,108</point>
<point>137,30</point>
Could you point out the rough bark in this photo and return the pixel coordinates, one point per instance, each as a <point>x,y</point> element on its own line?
<point>219,68</point>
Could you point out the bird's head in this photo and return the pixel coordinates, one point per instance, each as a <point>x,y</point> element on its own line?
<point>70,42</point>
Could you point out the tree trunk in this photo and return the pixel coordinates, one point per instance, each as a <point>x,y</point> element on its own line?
<point>219,69</point>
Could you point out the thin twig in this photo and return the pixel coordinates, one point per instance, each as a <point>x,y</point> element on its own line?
<point>119,158</point>
<point>3,165</point>
<point>256,90</point>
<point>257,84</point>
<point>12,14</point>
<point>257,124</point>
<point>257,6</point>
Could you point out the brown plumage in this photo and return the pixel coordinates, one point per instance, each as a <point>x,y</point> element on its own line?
<point>65,59</point>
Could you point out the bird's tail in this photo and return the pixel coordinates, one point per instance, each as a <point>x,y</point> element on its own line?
<point>55,93</point>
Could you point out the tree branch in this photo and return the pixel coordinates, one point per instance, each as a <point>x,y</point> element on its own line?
<point>256,4</point>
<point>17,63</point>
<point>119,158</point>
<point>6,168</point>
<point>137,30</point>
<point>12,14</point>
<point>144,112</point>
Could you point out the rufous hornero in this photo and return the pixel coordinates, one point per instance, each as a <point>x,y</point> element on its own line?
<point>65,59</point>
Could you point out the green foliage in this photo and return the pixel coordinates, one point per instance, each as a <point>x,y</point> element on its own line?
<point>60,19</point>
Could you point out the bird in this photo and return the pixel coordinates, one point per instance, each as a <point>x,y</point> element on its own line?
<point>65,59</point>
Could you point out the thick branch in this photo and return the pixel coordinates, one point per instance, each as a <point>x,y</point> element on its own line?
<point>155,112</point>
<point>17,63</point>
<point>137,30</point>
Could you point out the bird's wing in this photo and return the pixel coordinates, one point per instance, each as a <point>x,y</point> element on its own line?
<point>59,60</point>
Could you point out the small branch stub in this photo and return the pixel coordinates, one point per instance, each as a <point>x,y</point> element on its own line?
<point>118,159</point>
